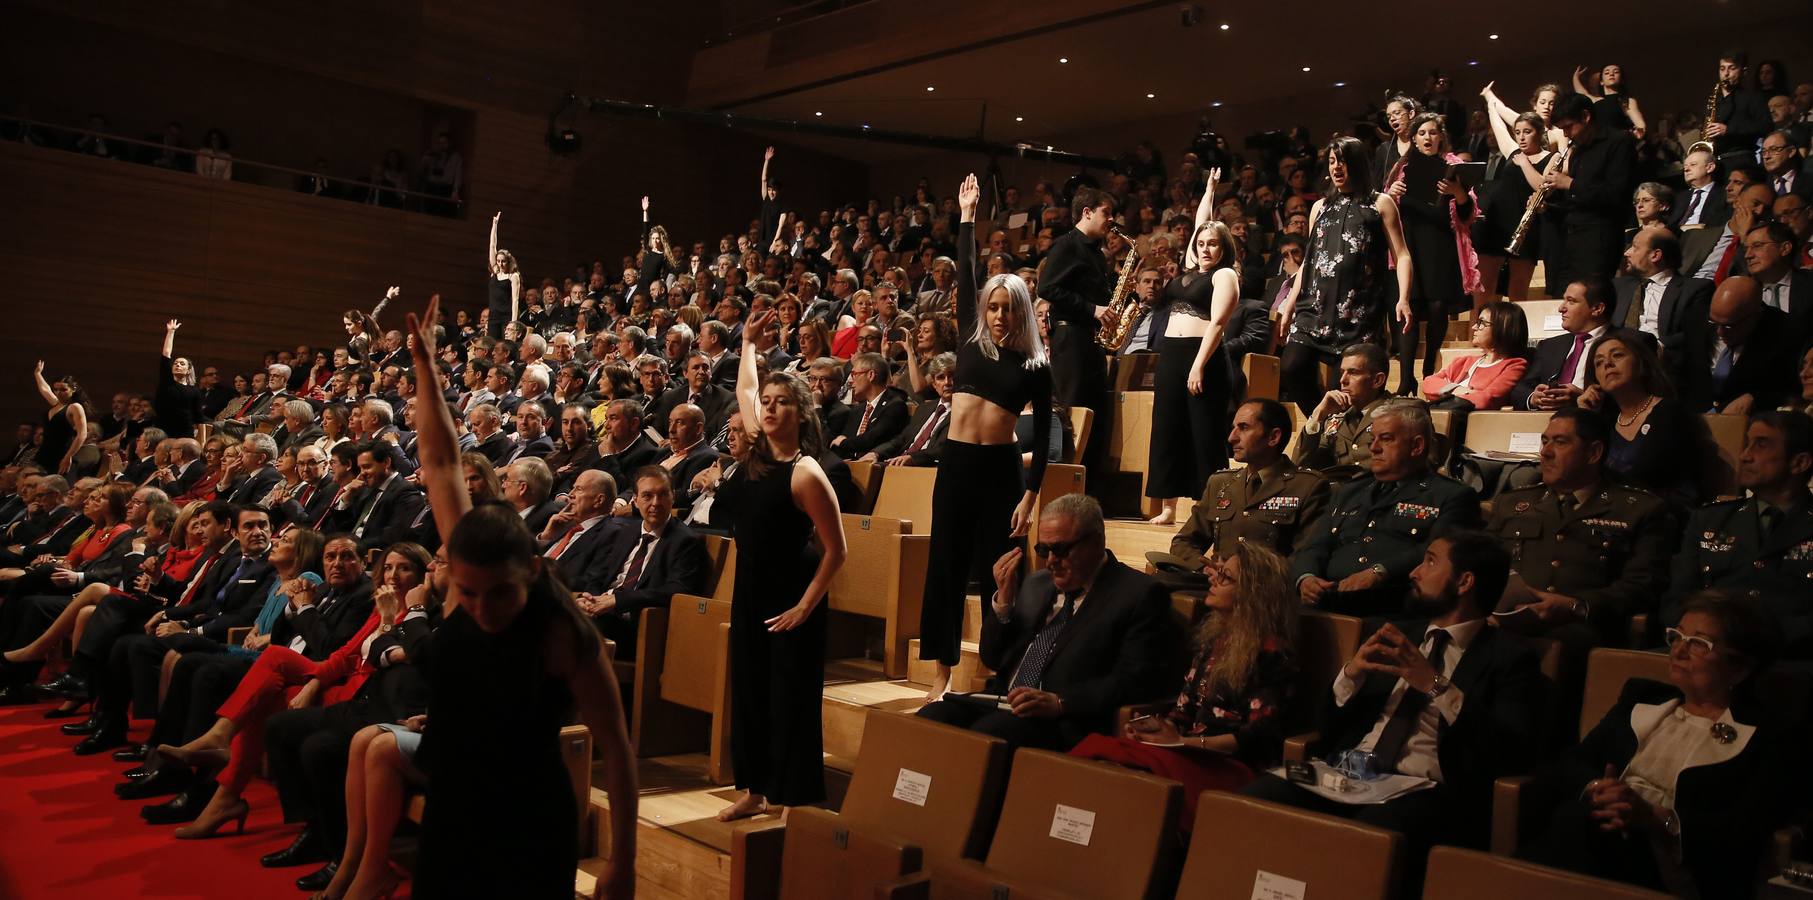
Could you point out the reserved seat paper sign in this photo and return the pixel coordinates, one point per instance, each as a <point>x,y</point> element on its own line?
<point>1071,824</point>
<point>912,787</point>
<point>1267,886</point>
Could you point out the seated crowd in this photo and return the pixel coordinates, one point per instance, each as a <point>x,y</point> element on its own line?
<point>257,569</point>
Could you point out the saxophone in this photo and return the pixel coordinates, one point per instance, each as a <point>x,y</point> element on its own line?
<point>1538,200</point>
<point>1712,117</point>
<point>1121,301</point>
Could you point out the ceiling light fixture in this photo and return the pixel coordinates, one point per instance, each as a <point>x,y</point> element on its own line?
<point>1019,118</point>
<point>1472,62</point>
<point>1216,104</point>
<point>1340,84</point>
<point>1151,96</point>
<point>1306,68</point>
<point>1492,37</point>
<point>930,88</point>
<point>1063,59</point>
<point>1224,26</point>
<point>818,113</point>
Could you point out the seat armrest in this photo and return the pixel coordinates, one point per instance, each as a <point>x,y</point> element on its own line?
<point>917,886</point>
<point>1300,747</point>
<point>1507,813</point>
<point>755,861</point>
<point>237,636</point>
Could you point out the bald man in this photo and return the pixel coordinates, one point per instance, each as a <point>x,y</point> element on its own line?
<point>575,538</point>
<point>1742,358</point>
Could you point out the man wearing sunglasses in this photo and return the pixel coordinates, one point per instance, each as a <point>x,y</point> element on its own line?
<point>1071,643</point>
<point>1742,358</point>
<point>1761,545</point>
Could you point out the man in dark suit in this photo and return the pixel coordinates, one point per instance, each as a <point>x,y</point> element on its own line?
<point>624,447</point>
<point>878,412</point>
<point>486,423</point>
<point>1702,204</point>
<point>532,438</point>
<point>1769,255</point>
<point>576,538</point>
<point>825,379</point>
<point>646,562</point>
<point>1071,644</point>
<point>308,502</point>
<point>1742,358</point>
<point>527,484</point>
<point>1249,330</point>
<point>688,454</point>
<point>713,342</point>
<point>1780,156</point>
<point>1358,557</point>
<point>714,401</point>
<point>1656,298</point>
<point>1740,116</point>
<point>1557,375</point>
<point>919,443</point>
<point>1444,698</point>
<point>576,451</point>
<point>299,426</point>
<point>1761,545</point>
<point>184,469</point>
<point>257,453</point>
<point>1597,183</point>
<point>320,619</point>
<point>381,503</point>
<point>144,450</point>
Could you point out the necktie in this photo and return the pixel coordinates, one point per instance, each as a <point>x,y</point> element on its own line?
<point>195,581</point>
<point>1573,360</point>
<point>1693,207</point>
<point>1781,185</point>
<point>638,559</point>
<point>1634,317</point>
<point>308,490</point>
<point>1410,707</point>
<point>868,409</point>
<point>231,580</point>
<point>925,434</point>
<point>694,399</point>
<point>1566,502</point>
<point>1775,296</point>
<point>1766,517</point>
<point>1039,652</point>
<point>565,539</point>
<point>1721,369</point>
<point>1724,269</point>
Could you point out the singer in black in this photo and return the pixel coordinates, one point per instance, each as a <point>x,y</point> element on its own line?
<point>503,293</point>
<point>982,499</point>
<point>1076,282</point>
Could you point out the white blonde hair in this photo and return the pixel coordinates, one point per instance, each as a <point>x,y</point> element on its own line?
<point>1024,336</point>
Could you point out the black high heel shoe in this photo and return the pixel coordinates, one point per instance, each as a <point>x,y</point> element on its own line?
<point>67,711</point>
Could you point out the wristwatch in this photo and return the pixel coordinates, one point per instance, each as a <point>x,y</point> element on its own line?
<point>1441,686</point>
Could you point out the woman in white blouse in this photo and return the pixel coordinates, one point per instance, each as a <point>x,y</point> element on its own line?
<point>1678,787</point>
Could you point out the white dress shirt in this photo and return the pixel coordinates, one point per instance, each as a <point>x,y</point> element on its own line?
<point>1421,749</point>
<point>1776,293</point>
<point>1653,288</point>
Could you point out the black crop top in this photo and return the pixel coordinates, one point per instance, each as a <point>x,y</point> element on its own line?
<point>1005,382</point>
<point>1191,294</point>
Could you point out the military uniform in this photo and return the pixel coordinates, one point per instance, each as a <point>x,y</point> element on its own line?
<point>1343,440</point>
<point>1609,550</point>
<point>1272,506</point>
<point>1723,546</point>
<point>1382,525</point>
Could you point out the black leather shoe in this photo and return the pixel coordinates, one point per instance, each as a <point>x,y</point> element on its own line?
<point>133,754</point>
<point>319,879</point>
<point>68,712</point>
<point>186,806</point>
<point>19,695</point>
<point>67,686</point>
<point>305,849</point>
<point>167,780</point>
<point>89,725</point>
<point>103,739</point>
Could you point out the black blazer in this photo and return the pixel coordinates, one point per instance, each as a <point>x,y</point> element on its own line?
<point>724,374</point>
<point>624,463</point>
<point>1800,297</point>
<point>335,619</point>
<point>833,417</point>
<point>392,512</point>
<point>1684,301</point>
<point>1545,366</point>
<point>679,565</point>
<point>888,420</point>
<point>1766,369</point>
<point>1727,799</point>
<point>715,402</point>
<point>927,455</point>
<point>495,447</point>
<point>298,513</point>
<point>538,448</point>
<point>537,519</point>
<point>581,565</point>
<point>1249,330</point>
<point>238,607</point>
<point>1713,216</point>
<point>253,488</point>
<point>1498,731</point>
<point>700,458</point>
<point>1123,646</point>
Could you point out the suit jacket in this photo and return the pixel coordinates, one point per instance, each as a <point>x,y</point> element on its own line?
<point>537,518</point>
<point>833,417</point>
<point>539,448</point>
<point>1799,298</point>
<point>566,464</point>
<point>186,478</point>
<point>927,455</point>
<point>1498,731</point>
<point>1389,528</point>
<point>1712,217</point>
<point>226,601</point>
<point>34,527</point>
<point>1545,366</point>
<point>1727,797</point>
<point>1766,368</point>
<point>724,374</point>
<point>581,564</point>
<point>696,460</point>
<point>495,447</point>
<point>334,619</point>
<point>678,564</point>
<point>1723,547</point>
<point>888,420</point>
<point>393,508</point>
<point>1249,330</point>
<point>301,439</point>
<point>624,463</point>
<point>1122,646</point>
<point>307,514</point>
<point>57,540</point>
<point>1684,301</point>
<point>253,488</point>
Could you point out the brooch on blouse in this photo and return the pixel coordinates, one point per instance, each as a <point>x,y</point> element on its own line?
<point>1723,733</point>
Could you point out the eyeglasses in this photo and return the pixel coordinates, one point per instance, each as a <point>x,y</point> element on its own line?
<point>1482,323</point>
<point>1058,550</point>
<point>1772,151</point>
<point>1727,326</point>
<point>1696,645</point>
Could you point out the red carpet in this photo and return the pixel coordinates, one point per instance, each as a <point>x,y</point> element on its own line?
<point>65,836</point>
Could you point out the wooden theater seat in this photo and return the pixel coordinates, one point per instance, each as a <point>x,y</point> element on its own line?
<point>883,576</point>
<point>1069,828</point>
<point>920,791</point>
<point>659,727</point>
<point>1325,642</point>
<point>1542,318</point>
<point>906,494</point>
<point>1241,843</point>
<point>1457,872</point>
<point>1263,374</point>
<point>1497,430</point>
<point>1082,423</point>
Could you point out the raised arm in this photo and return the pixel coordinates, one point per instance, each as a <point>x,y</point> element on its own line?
<point>44,390</point>
<point>170,339</point>
<point>1580,84</point>
<point>761,192</point>
<point>1501,131</point>
<point>749,382</point>
<point>491,256</point>
<point>1497,108</point>
<point>437,444</point>
<point>1204,209</point>
<point>968,195</point>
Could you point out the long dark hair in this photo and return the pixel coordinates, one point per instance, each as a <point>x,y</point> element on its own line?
<point>1352,152</point>
<point>759,457</point>
<point>1650,373</point>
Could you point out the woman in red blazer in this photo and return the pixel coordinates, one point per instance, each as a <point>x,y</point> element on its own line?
<point>1484,381</point>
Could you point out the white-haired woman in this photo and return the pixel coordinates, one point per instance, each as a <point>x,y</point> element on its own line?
<point>1191,387</point>
<point>983,498</point>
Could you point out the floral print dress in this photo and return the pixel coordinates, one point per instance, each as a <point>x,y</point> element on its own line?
<point>1253,716</point>
<point>1347,284</point>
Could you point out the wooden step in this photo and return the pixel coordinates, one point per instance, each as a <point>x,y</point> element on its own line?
<point>682,850</point>
<point>1130,539</point>
<point>847,707</point>
<point>970,674</point>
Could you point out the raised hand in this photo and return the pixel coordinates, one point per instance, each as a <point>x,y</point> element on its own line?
<point>968,195</point>
<point>767,155</point>
<point>172,325</point>
<point>394,292</point>
<point>645,203</point>
<point>422,329</point>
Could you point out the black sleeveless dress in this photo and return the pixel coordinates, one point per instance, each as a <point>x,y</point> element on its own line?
<point>501,820</point>
<point>1502,208</point>
<point>176,406</point>
<point>58,435</point>
<point>777,679</point>
<point>497,300</point>
<point>1189,431</point>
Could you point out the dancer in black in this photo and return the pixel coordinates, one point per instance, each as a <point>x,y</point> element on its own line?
<point>503,297</point>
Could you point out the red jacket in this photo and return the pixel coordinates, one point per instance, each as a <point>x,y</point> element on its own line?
<point>1488,388</point>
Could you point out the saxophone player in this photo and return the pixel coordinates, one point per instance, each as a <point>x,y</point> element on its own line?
<point>1076,282</point>
<point>1191,386</point>
<point>1593,187</point>
<point>1740,117</point>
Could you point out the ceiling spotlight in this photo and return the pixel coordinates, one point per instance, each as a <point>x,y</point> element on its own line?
<point>1340,84</point>
<point>818,113</point>
<point>1216,104</point>
<point>1047,148</point>
<point>1019,118</point>
<point>1306,68</point>
<point>1151,96</point>
<point>1492,37</point>
<point>930,88</point>
<point>1224,26</point>
<point>865,126</point>
<point>1472,62</point>
<point>1063,59</point>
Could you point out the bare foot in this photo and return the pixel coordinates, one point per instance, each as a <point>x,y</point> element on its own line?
<point>940,684</point>
<point>1168,517</point>
<point>747,805</point>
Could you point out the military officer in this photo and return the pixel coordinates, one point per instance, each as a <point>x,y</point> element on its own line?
<point>1269,500</point>
<point>1358,558</point>
<point>1339,431</point>
<point>1585,552</point>
<point>1761,545</point>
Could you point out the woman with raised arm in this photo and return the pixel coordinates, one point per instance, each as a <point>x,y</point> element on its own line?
<point>658,259</point>
<point>1520,142</point>
<point>1190,399</point>
<point>505,671</point>
<point>65,426</point>
<point>1542,103</point>
<point>982,500</point>
<point>503,293</point>
<point>1340,296</point>
<point>177,403</point>
<point>1612,98</point>
<point>775,501</point>
<point>362,329</point>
